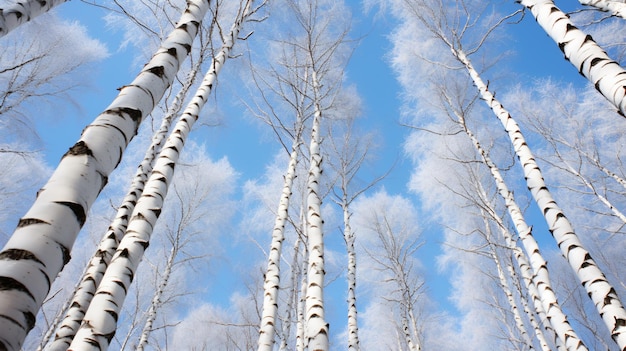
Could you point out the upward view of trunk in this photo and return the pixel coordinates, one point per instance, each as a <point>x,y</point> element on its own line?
<point>348,236</point>
<point>90,280</point>
<point>508,292</point>
<point>23,11</point>
<point>100,321</point>
<point>156,302</point>
<point>548,303</point>
<point>615,7</point>
<point>599,289</point>
<point>272,274</point>
<point>582,51</point>
<point>42,242</point>
<point>316,326</point>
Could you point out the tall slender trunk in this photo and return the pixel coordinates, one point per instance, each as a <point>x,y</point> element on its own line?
<point>598,288</point>
<point>23,11</point>
<point>545,299</point>
<point>407,333</point>
<point>316,326</point>
<point>156,302</point>
<point>616,8</point>
<point>519,323</point>
<point>272,275</point>
<point>348,236</point>
<point>583,52</point>
<point>100,321</point>
<point>526,306</point>
<point>42,242</point>
<point>91,278</point>
<point>301,320</point>
<point>292,304</point>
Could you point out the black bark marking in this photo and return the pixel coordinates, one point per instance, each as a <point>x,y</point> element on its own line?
<point>30,320</point>
<point>112,314</point>
<point>172,51</point>
<point>158,71</point>
<point>30,221</point>
<point>8,283</point>
<point>18,254</point>
<point>79,210</point>
<point>595,61</point>
<point>121,284</point>
<point>124,253</point>
<point>109,336</point>
<point>570,27</point>
<point>80,148</point>
<point>66,253</point>
<point>187,47</point>
<point>144,244</point>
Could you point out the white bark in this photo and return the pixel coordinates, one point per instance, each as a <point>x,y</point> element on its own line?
<point>41,244</point>
<point>583,52</point>
<point>100,321</point>
<point>599,289</point>
<point>292,302</point>
<point>156,302</point>
<point>272,275</point>
<point>300,323</point>
<point>519,323</point>
<point>92,277</point>
<point>316,326</point>
<point>23,11</point>
<point>616,8</point>
<point>348,236</point>
<point>527,309</point>
<point>540,287</point>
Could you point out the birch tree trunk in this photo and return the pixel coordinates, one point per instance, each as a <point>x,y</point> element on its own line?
<point>316,326</point>
<point>23,11</point>
<point>519,323</point>
<point>156,302</point>
<point>92,277</point>
<point>616,8</point>
<point>272,275</point>
<point>599,289</point>
<point>100,321</point>
<point>546,300</point>
<point>583,52</point>
<point>348,236</point>
<point>41,244</point>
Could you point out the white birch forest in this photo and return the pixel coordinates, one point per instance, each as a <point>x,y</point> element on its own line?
<point>312,175</point>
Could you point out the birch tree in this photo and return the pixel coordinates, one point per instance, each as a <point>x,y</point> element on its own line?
<point>92,277</point>
<point>615,8</point>
<point>394,257</point>
<point>348,155</point>
<point>320,41</point>
<point>545,300</point>
<point>13,15</point>
<point>607,76</point>
<point>99,323</point>
<point>283,89</point>
<point>30,264</point>
<point>598,287</point>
